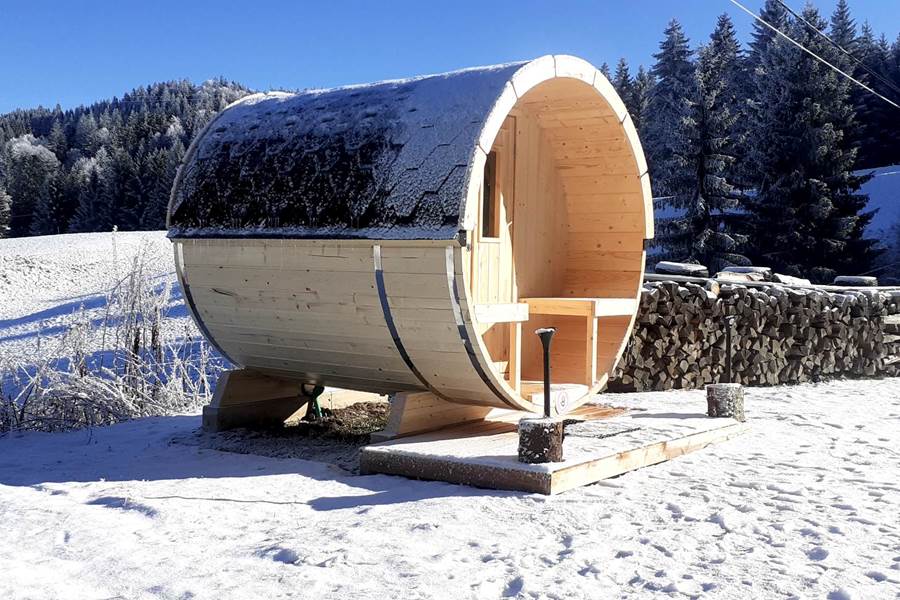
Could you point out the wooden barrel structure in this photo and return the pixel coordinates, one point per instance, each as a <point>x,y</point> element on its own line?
<point>410,235</point>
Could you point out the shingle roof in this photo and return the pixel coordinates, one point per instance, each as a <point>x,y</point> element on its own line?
<point>388,160</point>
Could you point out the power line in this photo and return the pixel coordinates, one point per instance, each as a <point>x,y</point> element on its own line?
<point>828,39</point>
<point>811,53</point>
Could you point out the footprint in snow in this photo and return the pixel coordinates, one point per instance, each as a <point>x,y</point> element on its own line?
<point>876,576</point>
<point>286,556</point>
<point>513,587</point>
<point>818,553</point>
<point>124,504</point>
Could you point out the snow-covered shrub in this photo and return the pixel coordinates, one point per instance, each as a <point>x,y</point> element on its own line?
<point>126,363</point>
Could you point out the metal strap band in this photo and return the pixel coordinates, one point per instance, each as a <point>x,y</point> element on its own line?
<point>464,333</point>
<point>392,327</point>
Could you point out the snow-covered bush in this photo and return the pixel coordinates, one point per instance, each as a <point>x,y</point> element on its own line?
<point>126,363</point>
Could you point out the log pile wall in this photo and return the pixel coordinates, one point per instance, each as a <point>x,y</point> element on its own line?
<point>780,335</point>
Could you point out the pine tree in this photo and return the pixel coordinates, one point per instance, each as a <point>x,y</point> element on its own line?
<point>808,217</point>
<point>705,233</point>
<point>669,131</point>
<point>94,204</point>
<point>761,38</point>
<point>604,68</point>
<point>878,130</point>
<point>639,103</point>
<point>86,132</point>
<point>31,168</point>
<point>843,32</point>
<point>47,212</point>
<point>5,204</point>
<point>56,141</point>
<point>161,170</point>
<point>622,81</point>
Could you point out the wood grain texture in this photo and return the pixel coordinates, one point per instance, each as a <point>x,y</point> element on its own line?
<point>443,315</point>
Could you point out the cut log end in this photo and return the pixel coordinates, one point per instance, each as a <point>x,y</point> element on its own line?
<point>725,400</point>
<point>540,440</point>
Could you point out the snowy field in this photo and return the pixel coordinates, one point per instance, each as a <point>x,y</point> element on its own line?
<point>48,282</point>
<point>806,505</point>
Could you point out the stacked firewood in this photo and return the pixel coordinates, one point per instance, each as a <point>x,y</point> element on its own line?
<point>779,335</point>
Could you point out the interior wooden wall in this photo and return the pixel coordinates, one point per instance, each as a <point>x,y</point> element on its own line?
<point>529,257</point>
<point>594,247</point>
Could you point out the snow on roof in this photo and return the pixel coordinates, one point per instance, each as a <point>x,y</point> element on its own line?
<point>388,160</point>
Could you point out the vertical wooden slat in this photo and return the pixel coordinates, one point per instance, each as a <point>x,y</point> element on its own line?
<point>591,351</point>
<point>515,352</point>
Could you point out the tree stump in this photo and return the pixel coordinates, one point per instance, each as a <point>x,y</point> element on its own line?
<point>540,440</point>
<point>725,400</point>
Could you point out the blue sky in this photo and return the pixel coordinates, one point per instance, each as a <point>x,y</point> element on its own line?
<point>71,53</point>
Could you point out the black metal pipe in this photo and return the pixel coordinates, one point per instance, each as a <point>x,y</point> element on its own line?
<point>546,334</point>
<point>729,323</point>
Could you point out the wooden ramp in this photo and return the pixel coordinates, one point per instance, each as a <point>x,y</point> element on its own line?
<point>607,443</point>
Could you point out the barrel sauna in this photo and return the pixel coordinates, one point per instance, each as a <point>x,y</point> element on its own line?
<point>409,236</point>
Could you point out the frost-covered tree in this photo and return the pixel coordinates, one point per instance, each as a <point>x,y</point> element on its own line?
<point>95,197</point>
<point>56,141</point>
<point>48,209</point>
<point>671,104</point>
<point>808,217</point>
<point>879,122</point>
<point>843,31</point>
<point>31,169</point>
<point>161,171</point>
<point>707,197</point>
<point>5,204</point>
<point>639,102</point>
<point>86,132</point>
<point>773,13</point>
<point>670,133</point>
<point>604,68</point>
<point>622,80</point>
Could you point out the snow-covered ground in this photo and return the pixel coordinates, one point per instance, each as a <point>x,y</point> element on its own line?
<point>806,505</point>
<point>45,282</point>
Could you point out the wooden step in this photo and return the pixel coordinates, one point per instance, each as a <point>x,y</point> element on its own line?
<point>562,395</point>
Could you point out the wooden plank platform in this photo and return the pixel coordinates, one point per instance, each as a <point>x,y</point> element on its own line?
<point>610,442</point>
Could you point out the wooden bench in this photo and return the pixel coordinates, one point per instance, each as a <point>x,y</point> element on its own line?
<point>589,308</point>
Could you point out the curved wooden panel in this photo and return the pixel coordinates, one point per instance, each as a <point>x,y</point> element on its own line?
<point>391,306</point>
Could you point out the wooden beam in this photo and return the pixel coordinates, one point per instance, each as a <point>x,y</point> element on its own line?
<point>590,371</point>
<point>421,412</point>
<point>582,307</point>
<point>574,307</point>
<point>513,312</point>
<point>245,398</point>
<point>515,356</point>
